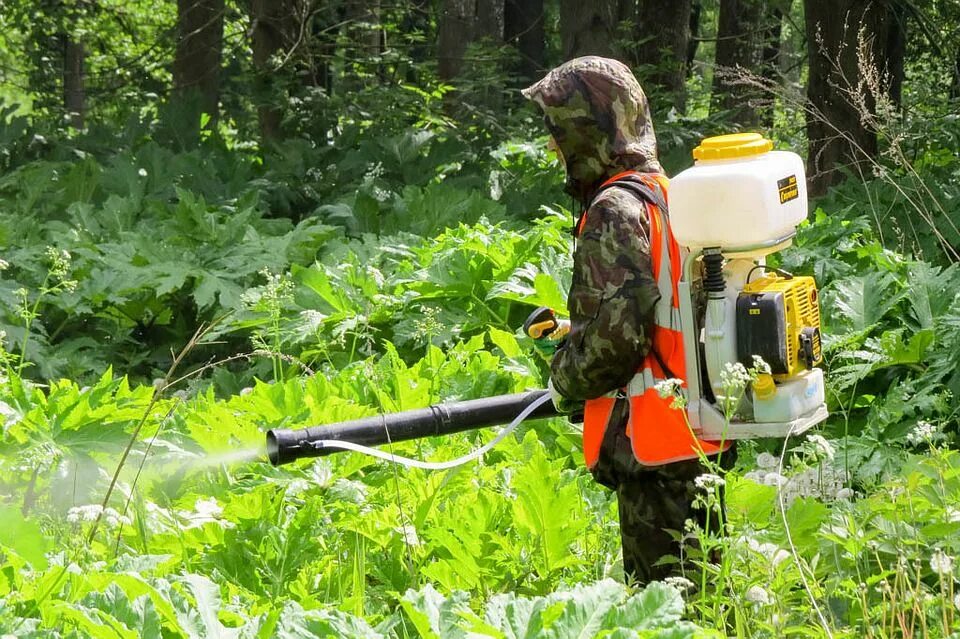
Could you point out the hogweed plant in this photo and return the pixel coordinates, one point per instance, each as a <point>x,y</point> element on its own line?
<point>55,281</point>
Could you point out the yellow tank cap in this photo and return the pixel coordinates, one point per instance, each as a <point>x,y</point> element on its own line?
<point>735,145</point>
<point>764,387</point>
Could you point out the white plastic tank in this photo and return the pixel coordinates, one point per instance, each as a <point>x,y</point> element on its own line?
<point>795,397</point>
<point>738,194</point>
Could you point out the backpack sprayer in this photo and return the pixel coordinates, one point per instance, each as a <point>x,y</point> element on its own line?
<point>738,204</point>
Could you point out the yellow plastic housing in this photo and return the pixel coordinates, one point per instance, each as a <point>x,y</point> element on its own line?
<point>801,311</point>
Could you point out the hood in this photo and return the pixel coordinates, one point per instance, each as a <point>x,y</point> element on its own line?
<point>599,116</point>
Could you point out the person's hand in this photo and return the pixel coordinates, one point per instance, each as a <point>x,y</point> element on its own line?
<point>561,403</point>
<point>547,345</point>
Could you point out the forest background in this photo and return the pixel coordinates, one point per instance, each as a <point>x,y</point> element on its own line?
<point>219,217</point>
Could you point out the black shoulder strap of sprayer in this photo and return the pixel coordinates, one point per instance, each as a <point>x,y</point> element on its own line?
<point>636,186</point>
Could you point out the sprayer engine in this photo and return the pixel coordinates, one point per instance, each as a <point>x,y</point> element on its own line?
<point>738,204</point>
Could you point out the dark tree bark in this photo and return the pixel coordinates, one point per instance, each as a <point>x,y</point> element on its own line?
<point>770,62</point>
<point>896,52</point>
<point>841,129</point>
<point>955,85</point>
<point>416,25</point>
<point>196,65</point>
<point>695,12</point>
<point>524,28</point>
<point>740,47</point>
<point>461,23</point>
<point>663,40</point>
<point>457,18</point>
<point>273,28</point>
<point>364,29</point>
<point>592,28</point>
<point>74,82</point>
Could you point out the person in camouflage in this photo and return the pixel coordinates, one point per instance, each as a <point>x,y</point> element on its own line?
<point>599,119</point>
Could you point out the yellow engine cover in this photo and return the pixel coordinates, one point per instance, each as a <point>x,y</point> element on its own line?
<point>780,321</point>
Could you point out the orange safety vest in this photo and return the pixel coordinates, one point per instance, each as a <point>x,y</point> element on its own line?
<point>658,434</point>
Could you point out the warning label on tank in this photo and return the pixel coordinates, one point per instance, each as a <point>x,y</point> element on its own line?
<point>788,189</point>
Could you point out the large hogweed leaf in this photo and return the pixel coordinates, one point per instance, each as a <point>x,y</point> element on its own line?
<point>602,609</point>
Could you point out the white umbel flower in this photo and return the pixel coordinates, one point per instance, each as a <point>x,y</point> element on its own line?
<point>708,481</point>
<point>766,461</point>
<point>668,388</point>
<point>941,563</point>
<point>760,367</point>
<point>734,376</point>
<point>924,431</point>
<point>680,583</point>
<point>758,595</point>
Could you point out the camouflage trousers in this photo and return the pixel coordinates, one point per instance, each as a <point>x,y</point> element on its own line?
<point>654,502</point>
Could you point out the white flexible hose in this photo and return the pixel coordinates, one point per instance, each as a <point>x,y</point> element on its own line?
<point>453,463</point>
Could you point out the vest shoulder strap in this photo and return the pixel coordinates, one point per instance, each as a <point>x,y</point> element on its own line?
<point>632,182</point>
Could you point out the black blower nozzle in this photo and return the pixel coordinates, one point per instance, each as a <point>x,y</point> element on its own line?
<point>285,445</point>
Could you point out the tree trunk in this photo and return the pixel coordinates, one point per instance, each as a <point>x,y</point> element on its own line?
<point>196,65</point>
<point>489,19</point>
<point>896,51</point>
<point>770,63</point>
<point>696,10</point>
<point>364,29</point>
<point>524,29</point>
<point>955,85</point>
<point>841,121</point>
<point>273,23</point>
<point>457,19</point>
<point>740,47</point>
<point>592,28</point>
<point>663,39</point>
<point>461,23</point>
<point>74,75</point>
<point>416,26</point>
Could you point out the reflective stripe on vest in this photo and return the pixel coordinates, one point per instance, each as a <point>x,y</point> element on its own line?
<point>658,433</point>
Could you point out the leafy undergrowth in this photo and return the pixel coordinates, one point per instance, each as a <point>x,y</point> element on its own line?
<point>393,277</point>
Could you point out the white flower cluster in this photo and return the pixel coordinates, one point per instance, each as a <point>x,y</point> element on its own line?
<point>4,265</point>
<point>822,482</point>
<point>941,563</point>
<point>760,367</point>
<point>708,481</point>
<point>734,377</point>
<point>758,595</point>
<point>90,512</point>
<point>680,583</point>
<point>772,553</point>
<point>668,388</point>
<point>923,432</point>
<point>312,319</point>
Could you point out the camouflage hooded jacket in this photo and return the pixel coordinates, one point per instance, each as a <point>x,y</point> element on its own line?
<point>600,119</point>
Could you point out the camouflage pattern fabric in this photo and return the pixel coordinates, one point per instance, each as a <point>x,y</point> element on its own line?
<point>600,119</point>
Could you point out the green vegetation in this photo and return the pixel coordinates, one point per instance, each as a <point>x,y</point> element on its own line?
<point>173,283</point>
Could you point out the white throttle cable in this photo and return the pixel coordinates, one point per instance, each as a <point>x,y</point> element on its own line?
<point>445,465</point>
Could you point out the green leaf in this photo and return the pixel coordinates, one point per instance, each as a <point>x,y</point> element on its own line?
<point>435,616</point>
<point>23,536</point>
